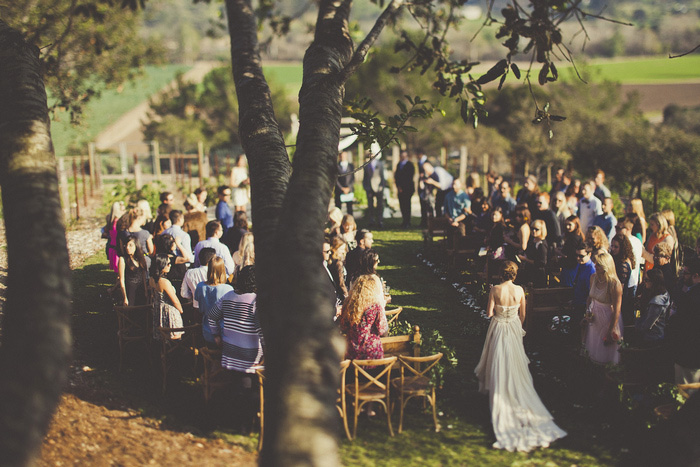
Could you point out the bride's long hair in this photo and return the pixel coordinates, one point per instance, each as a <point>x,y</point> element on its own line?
<point>605,266</point>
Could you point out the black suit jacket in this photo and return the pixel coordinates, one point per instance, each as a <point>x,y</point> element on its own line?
<point>345,180</point>
<point>404,177</point>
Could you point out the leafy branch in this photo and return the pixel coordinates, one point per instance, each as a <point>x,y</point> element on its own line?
<point>369,127</point>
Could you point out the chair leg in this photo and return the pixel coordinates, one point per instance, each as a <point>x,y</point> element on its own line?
<point>433,402</point>
<point>262,418</point>
<point>388,418</point>
<point>401,406</point>
<point>356,412</point>
<point>345,414</point>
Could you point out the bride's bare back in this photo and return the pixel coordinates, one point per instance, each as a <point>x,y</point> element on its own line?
<point>507,294</point>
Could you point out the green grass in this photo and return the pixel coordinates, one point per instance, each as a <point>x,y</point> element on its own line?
<point>648,71</point>
<point>287,74</point>
<point>598,429</point>
<point>105,109</point>
<point>466,435</point>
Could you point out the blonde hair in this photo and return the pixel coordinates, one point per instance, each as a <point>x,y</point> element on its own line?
<point>336,216</point>
<point>248,255</point>
<point>605,265</point>
<point>246,238</point>
<point>669,216</point>
<point>216,271</point>
<point>145,208</point>
<point>663,224</point>
<point>349,221</point>
<point>637,207</point>
<point>596,238</point>
<point>116,212</point>
<point>539,223</point>
<point>363,294</point>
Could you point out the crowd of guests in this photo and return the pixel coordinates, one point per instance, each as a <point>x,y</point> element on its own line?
<point>626,269</point>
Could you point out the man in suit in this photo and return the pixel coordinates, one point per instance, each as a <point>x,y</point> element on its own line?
<point>331,289</point>
<point>403,176</point>
<point>374,183</point>
<point>344,184</point>
<point>424,204</point>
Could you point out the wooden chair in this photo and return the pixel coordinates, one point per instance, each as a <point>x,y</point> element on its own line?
<point>546,302</point>
<point>666,411</point>
<point>168,346</point>
<point>370,388</point>
<point>134,324</point>
<point>408,344</point>
<point>436,227</point>
<point>341,403</point>
<point>214,377</point>
<point>415,382</point>
<point>392,315</point>
<point>260,371</point>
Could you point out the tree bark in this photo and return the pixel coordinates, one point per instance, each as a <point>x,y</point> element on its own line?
<point>302,349</point>
<point>36,338</point>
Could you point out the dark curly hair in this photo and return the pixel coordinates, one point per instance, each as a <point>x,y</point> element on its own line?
<point>367,262</point>
<point>626,251</point>
<point>164,244</point>
<point>245,281</point>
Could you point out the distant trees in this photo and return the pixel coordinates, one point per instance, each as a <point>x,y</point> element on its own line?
<point>83,44</point>
<point>207,111</point>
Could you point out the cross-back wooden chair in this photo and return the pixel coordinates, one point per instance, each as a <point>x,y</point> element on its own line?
<point>666,411</point>
<point>369,387</point>
<point>341,403</point>
<point>393,314</point>
<point>415,382</point>
<point>260,371</point>
<point>133,324</point>
<point>214,377</point>
<point>170,344</point>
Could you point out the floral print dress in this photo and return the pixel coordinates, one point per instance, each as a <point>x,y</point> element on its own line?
<point>364,339</point>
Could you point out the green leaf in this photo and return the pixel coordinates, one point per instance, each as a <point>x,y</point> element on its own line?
<point>464,111</point>
<point>557,118</point>
<point>410,129</point>
<point>551,134</point>
<point>542,78</point>
<point>516,70</point>
<point>401,105</point>
<point>475,122</point>
<point>546,107</point>
<point>503,80</point>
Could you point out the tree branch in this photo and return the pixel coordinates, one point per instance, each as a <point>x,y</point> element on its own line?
<point>361,52</point>
<point>686,53</point>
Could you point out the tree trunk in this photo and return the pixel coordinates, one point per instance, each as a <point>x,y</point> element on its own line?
<point>36,340</point>
<point>303,348</point>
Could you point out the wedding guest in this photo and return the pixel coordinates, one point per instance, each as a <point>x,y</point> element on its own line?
<point>603,333</point>
<point>651,324</point>
<point>345,183</point>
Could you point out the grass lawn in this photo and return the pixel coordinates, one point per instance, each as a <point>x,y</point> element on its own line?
<point>466,435</point>
<point>648,71</point>
<point>105,109</point>
<point>598,430</point>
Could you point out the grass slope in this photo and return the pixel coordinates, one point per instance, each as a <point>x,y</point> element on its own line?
<point>111,104</point>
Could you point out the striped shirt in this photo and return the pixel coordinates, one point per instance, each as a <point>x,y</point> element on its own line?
<point>241,335</point>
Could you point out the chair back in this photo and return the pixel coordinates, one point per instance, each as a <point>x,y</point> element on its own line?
<point>412,365</point>
<point>378,381</point>
<point>393,315</point>
<point>134,319</point>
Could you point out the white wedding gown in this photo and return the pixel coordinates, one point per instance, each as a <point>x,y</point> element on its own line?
<point>520,421</point>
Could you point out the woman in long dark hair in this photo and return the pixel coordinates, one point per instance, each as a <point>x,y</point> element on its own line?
<point>520,238</point>
<point>494,239</point>
<point>623,255</point>
<point>573,239</point>
<point>167,310</point>
<point>132,274</point>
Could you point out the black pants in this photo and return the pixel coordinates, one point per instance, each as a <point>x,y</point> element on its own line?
<point>338,203</point>
<point>375,207</point>
<point>405,205</point>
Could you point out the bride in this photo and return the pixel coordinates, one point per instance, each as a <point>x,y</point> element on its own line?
<point>520,420</point>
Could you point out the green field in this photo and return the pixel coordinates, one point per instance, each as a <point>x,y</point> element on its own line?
<point>653,70</point>
<point>109,106</point>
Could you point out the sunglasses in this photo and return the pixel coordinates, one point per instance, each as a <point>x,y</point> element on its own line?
<point>581,256</point>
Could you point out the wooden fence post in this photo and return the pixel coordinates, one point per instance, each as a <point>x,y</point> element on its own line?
<point>63,187</point>
<point>156,159</point>
<point>486,170</point>
<point>138,182</point>
<point>463,163</point>
<point>91,163</point>
<point>82,175</point>
<point>75,185</point>
<point>200,162</point>
<point>443,157</point>
<point>123,157</point>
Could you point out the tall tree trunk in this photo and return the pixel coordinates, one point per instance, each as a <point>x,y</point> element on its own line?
<point>36,341</point>
<point>302,346</point>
